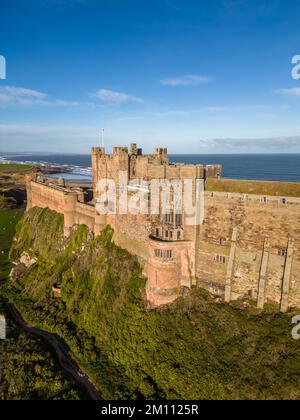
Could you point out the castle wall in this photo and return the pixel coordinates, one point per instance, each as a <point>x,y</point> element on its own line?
<point>43,196</point>
<point>170,266</point>
<point>132,232</point>
<point>260,251</point>
<point>248,244</point>
<point>85,215</point>
<point>55,198</point>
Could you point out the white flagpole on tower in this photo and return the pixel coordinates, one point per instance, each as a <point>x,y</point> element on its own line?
<point>102,137</point>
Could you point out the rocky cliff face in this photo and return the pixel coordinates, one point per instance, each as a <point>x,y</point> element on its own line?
<point>194,348</point>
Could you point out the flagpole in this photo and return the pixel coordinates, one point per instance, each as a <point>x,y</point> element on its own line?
<point>102,137</point>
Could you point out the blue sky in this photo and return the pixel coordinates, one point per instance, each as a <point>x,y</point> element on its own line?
<point>193,76</point>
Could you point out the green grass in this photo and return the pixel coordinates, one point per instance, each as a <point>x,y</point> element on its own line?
<point>280,189</point>
<point>14,167</point>
<point>192,349</point>
<point>29,369</point>
<point>8,221</point>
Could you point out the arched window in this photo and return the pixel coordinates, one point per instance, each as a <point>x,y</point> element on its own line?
<point>222,241</point>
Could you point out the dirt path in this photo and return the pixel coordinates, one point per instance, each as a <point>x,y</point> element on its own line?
<point>63,357</point>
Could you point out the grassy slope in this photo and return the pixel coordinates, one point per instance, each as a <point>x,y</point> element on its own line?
<point>192,349</point>
<point>280,189</point>
<point>8,221</point>
<point>28,368</point>
<point>14,168</point>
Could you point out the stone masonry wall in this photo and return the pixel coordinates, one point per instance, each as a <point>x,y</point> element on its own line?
<point>247,245</point>
<point>263,231</point>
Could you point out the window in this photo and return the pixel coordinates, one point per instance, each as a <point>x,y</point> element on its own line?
<point>222,241</point>
<point>178,235</point>
<point>281,252</point>
<point>169,254</point>
<point>168,218</point>
<point>220,259</point>
<point>178,219</point>
<point>167,233</point>
<point>171,234</point>
<point>157,233</point>
<point>166,255</point>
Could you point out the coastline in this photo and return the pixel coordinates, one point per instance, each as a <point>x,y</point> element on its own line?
<point>255,167</point>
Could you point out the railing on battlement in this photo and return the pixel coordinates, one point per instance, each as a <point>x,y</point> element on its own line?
<point>264,199</point>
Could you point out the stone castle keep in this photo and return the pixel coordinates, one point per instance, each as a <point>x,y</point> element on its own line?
<point>247,246</point>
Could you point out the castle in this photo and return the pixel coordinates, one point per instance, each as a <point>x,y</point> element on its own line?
<point>247,246</point>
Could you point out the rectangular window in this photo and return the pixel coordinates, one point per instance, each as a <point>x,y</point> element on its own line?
<point>168,218</point>
<point>220,259</point>
<point>172,217</point>
<point>168,254</point>
<point>281,252</point>
<point>178,219</point>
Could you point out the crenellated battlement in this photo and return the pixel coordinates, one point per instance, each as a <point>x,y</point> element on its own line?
<point>146,167</point>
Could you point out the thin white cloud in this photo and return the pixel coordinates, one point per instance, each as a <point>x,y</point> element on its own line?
<point>115,97</point>
<point>262,109</point>
<point>290,91</point>
<point>47,138</point>
<point>187,80</point>
<point>19,96</point>
<point>284,144</point>
<point>29,137</point>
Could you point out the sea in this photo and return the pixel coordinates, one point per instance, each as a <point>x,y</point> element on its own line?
<point>271,167</point>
